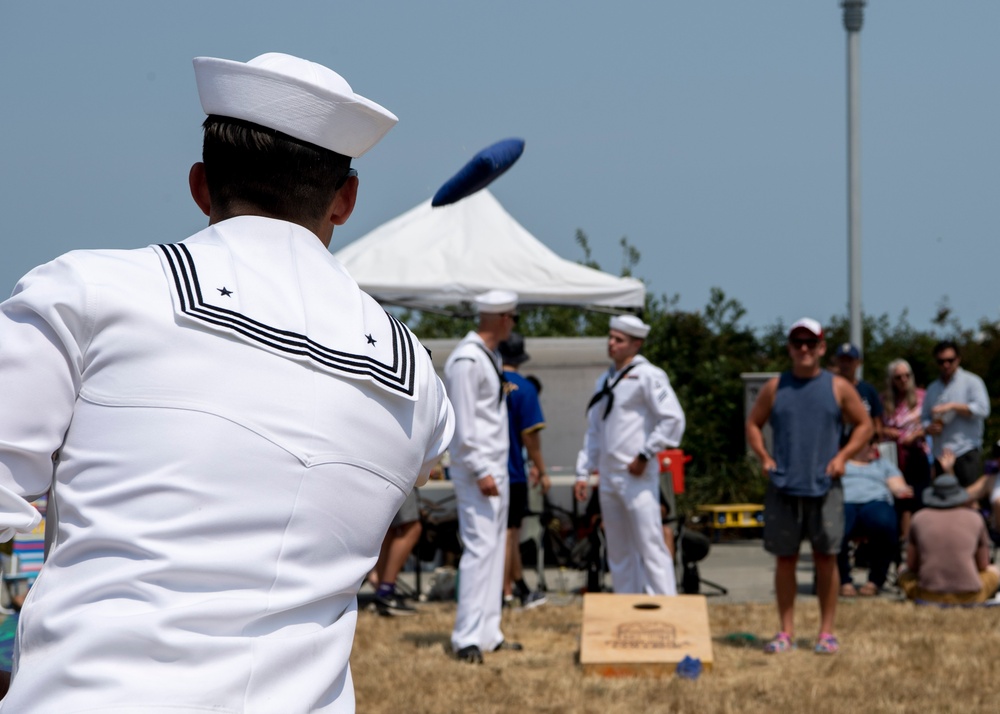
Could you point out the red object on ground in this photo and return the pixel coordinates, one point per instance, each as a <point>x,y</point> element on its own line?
<point>673,460</point>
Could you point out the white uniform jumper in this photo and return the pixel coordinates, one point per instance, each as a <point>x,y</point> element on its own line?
<point>644,416</point>
<point>479,449</point>
<point>236,424</point>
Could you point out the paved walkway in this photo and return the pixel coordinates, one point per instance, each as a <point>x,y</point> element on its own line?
<point>746,571</point>
<point>741,567</point>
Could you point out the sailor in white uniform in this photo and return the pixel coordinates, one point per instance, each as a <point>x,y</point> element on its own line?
<point>633,415</point>
<point>234,425</point>
<point>474,377</point>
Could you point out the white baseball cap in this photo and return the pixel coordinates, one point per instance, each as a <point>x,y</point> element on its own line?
<point>294,96</point>
<point>807,323</point>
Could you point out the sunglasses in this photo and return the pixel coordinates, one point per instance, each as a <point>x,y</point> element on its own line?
<point>946,360</point>
<point>800,342</point>
<point>343,179</point>
<point>513,316</point>
<point>901,376</point>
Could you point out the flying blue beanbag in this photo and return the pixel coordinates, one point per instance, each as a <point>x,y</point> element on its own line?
<point>482,170</point>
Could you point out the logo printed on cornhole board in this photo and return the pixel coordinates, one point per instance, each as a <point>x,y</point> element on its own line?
<point>643,635</point>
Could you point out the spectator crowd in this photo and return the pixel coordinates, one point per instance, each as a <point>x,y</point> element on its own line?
<point>887,483</point>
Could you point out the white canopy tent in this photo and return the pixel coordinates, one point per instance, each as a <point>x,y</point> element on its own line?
<point>431,258</point>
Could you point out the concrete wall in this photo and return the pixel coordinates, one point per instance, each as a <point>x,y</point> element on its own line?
<point>567,368</point>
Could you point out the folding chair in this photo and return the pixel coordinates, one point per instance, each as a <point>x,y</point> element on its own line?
<point>692,547</point>
<point>27,557</point>
<point>438,537</point>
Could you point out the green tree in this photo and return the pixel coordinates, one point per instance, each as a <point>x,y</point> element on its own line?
<point>705,352</point>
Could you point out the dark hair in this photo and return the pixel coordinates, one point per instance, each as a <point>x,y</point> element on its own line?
<point>248,165</point>
<point>536,382</point>
<point>946,345</point>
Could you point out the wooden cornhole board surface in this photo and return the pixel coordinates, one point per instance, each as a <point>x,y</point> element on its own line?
<point>643,635</point>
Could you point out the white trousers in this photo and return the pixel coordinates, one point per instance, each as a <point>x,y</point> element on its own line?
<point>637,554</point>
<point>482,525</point>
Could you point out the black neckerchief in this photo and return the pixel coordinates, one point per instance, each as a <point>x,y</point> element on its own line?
<point>605,391</point>
<point>493,361</point>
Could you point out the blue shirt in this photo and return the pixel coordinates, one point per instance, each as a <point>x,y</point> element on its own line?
<point>524,414</point>
<point>806,421</point>
<point>870,398</point>
<point>864,483</point>
<point>872,403</point>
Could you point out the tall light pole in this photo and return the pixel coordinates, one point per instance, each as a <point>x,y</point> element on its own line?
<point>854,13</point>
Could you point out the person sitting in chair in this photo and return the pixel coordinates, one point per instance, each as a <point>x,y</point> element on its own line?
<point>870,486</point>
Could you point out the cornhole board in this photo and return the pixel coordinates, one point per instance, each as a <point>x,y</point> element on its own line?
<point>643,635</point>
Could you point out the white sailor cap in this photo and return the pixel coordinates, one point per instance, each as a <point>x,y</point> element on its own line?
<point>630,325</point>
<point>295,96</point>
<point>496,301</point>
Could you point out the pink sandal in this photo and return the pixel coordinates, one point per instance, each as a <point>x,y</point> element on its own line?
<point>782,642</point>
<point>827,644</point>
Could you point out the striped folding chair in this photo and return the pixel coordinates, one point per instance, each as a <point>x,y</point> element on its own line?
<point>27,557</point>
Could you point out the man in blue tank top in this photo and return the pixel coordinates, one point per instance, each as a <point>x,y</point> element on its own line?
<point>806,407</point>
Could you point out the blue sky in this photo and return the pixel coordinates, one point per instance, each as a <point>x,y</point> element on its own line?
<point>711,133</point>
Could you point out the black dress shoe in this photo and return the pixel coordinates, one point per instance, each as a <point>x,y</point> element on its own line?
<point>470,654</point>
<point>508,646</point>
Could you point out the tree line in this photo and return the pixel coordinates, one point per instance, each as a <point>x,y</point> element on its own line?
<point>704,353</point>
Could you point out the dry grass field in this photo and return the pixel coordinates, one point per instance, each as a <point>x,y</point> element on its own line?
<point>895,657</point>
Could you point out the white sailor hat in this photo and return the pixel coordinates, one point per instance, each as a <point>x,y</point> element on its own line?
<point>630,325</point>
<point>295,96</point>
<point>496,301</point>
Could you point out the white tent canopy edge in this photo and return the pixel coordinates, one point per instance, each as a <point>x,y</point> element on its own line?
<point>434,258</point>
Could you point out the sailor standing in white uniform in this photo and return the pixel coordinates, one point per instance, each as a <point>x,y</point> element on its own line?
<point>474,377</point>
<point>234,425</point>
<point>633,415</point>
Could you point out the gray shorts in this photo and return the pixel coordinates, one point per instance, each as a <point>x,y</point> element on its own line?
<point>788,520</point>
<point>408,512</point>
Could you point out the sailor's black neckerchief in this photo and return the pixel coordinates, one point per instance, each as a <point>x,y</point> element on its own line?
<point>606,390</point>
<point>503,380</point>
